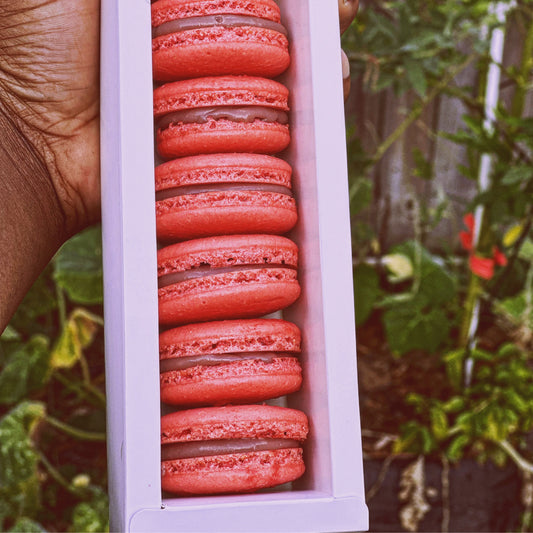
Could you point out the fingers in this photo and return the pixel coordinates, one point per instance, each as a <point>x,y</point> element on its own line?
<point>347,12</point>
<point>345,74</point>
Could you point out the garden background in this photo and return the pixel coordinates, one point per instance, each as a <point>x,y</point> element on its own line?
<point>441,183</point>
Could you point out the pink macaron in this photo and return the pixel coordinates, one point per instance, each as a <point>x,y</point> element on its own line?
<point>221,114</point>
<point>230,361</point>
<point>223,194</point>
<point>231,449</point>
<point>226,277</point>
<point>194,38</point>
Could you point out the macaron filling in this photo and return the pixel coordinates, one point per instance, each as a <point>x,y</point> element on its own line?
<point>233,113</point>
<point>221,187</point>
<point>183,363</point>
<point>208,21</point>
<point>202,271</point>
<point>187,450</point>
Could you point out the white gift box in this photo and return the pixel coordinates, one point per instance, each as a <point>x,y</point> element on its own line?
<point>330,495</point>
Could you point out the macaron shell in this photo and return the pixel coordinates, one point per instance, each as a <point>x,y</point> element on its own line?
<point>234,422</point>
<point>165,10</point>
<point>218,51</point>
<point>226,250</point>
<point>224,213</point>
<point>225,168</point>
<point>219,90</point>
<point>245,381</point>
<point>214,136</point>
<point>228,296</point>
<point>232,473</point>
<point>230,336</point>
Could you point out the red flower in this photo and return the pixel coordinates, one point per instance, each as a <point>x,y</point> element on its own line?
<point>466,240</point>
<point>480,266</point>
<point>467,237</point>
<point>498,256</point>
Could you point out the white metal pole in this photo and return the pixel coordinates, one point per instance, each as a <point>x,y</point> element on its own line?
<point>497,42</point>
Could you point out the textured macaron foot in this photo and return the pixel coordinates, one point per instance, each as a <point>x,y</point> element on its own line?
<point>194,38</point>
<point>220,115</point>
<point>223,194</point>
<point>226,277</point>
<point>232,361</point>
<point>231,449</point>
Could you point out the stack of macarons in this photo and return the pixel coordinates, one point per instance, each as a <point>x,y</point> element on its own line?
<point>224,204</point>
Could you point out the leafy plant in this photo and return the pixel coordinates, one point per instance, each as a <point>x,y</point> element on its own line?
<point>418,318</point>
<point>52,404</point>
<point>496,410</point>
<point>430,300</point>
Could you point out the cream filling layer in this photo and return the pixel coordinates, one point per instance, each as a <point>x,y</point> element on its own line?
<point>187,450</point>
<point>182,363</point>
<point>220,187</point>
<point>208,21</point>
<point>201,115</point>
<point>202,271</point>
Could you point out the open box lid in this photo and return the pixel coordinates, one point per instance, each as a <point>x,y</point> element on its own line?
<point>330,496</point>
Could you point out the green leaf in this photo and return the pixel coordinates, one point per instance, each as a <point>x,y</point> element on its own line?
<point>360,195</point>
<point>10,334</point>
<point>78,333</point>
<point>19,477</point>
<point>436,284</point>
<point>518,310</point>
<point>92,516</point>
<point>517,174</point>
<point>416,76</point>
<point>27,369</point>
<point>516,401</point>
<point>526,251</point>
<point>366,292</point>
<point>27,525</point>
<point>454,404</point>
<point>39,302</point>
<point>454,361</point>
<point>439,422</point>
<point>78,267</point>
<point>495,429</point>
<point>456,448</point>
<point>423,167</point>
<point>414,325</point>
<point>414,438</point>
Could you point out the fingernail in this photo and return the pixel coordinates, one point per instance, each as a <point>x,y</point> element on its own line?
<point>345,65</point>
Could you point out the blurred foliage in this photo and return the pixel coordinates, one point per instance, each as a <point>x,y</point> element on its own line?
<point>497,406</point>
<point>52,402</point>
<point>425,299</point>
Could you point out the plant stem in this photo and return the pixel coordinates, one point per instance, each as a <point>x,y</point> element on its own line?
<point>518,460</point>
<point>75,432</point>
<point>84,390</point>
<point>469,306</point>
<point>517,105</point>
<point>61,306</point>
<point>54,472</point>
<point>417,110</point>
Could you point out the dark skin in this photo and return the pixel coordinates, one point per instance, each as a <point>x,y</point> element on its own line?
<point>49,119</point>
